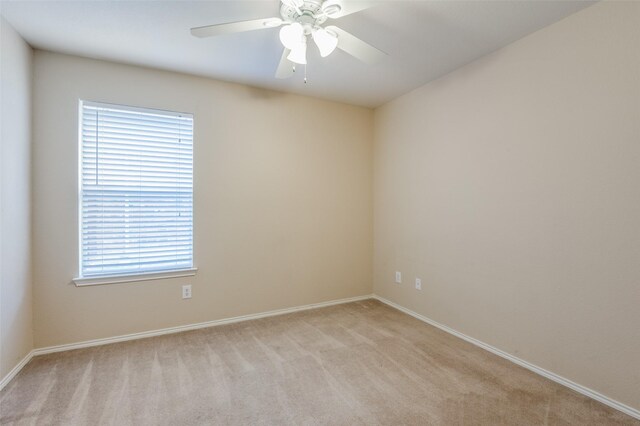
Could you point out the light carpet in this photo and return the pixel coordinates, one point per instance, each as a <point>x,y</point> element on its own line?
<point>361,363</point>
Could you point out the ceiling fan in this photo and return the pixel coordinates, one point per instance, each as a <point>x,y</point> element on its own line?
<point>300,20</point>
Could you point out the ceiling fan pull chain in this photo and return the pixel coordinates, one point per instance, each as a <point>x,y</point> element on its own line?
<point>305,73</point>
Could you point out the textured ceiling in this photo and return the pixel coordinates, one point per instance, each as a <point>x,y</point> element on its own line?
<point>424,39</point>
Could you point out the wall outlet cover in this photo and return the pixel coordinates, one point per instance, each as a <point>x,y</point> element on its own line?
<point>186,291</point>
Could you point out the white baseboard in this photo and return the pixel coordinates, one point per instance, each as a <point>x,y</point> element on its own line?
<point>188,327</point>
<point>170,330</point>
<point>6,379</point>
<point>134,336</point>
<point>538,370</point>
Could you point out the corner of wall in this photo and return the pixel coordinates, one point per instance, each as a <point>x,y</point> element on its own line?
<point>16,278</point>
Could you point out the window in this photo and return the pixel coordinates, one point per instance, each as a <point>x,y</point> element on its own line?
<point>136,191</point>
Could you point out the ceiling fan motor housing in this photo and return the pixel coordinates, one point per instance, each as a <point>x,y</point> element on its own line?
<point>310,13</point>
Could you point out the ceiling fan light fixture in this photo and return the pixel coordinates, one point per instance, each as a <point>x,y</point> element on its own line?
<point>290,35</point>
<point>298,54</point>
<point>326,41</point>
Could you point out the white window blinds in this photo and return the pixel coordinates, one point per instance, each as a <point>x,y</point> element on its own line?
<point>136,190</point>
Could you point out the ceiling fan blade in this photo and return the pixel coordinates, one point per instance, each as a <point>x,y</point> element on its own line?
<point>235,27</point>
<point>285,67</point>
<point>356,47</point>
<point>348,7</point>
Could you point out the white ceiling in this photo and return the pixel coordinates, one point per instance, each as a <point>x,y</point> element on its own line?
<point>424,39</point>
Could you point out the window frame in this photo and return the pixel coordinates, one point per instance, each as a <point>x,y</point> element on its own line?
<point>114,278</point>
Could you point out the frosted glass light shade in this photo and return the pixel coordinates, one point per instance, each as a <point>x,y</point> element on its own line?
<point>290,35</point>
<point>326,41</point>
<point>299,53</point>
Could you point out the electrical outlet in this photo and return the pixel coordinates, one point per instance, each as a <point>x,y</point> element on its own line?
<point>418,284</point>
<point>186,291</point>
<point>398,277</point>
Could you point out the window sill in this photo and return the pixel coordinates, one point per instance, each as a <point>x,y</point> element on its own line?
<point>147,276</point>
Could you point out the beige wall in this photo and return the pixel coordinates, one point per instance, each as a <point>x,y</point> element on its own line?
<point>509,186</point>
<point>283,201</point>
<point>16,335</point>
<point>512,188</point>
